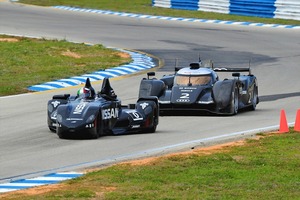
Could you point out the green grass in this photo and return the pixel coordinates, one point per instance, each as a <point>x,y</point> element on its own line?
<point>267,168</point>
<point>25,62</point>
<point>145,7</point>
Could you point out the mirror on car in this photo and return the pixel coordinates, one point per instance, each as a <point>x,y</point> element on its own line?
<point>150,74</point>
<point>236,74</point>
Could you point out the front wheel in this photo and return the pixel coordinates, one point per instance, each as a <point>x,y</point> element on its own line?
<point>94,134</point>
<point>98,132</point>
<point>234,104</point>
<point>152,129</point>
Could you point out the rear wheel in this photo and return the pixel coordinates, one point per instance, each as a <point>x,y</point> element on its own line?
<point>254,98</point>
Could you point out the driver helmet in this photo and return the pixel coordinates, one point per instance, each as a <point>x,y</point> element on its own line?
<point>87,93</point>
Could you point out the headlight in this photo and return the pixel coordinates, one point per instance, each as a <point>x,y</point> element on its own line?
<point>91,119</point>
<point>59,118</point>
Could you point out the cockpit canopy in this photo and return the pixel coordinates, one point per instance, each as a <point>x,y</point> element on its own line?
<point>192,80</point>
<point>192,76</point>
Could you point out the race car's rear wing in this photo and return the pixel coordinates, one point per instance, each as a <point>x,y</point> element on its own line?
<point>226,69</point>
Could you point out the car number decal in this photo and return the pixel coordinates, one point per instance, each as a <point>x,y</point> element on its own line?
<point>135,115</point>
<point>185,96</point>
<point>79,108</point>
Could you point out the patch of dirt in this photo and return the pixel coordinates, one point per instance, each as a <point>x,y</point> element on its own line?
<point>123,55</point>
<point>9,40</point>
<point>202,150</point>
<point>71,54</point>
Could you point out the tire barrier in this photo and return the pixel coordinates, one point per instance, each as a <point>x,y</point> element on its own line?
<point>287,9</point>
<point>166,3</point>
<point>283,9</point>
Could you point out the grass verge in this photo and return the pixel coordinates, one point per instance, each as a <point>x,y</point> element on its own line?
<point>264,168</point>
<point>25,62</point>
<point>145,7</point>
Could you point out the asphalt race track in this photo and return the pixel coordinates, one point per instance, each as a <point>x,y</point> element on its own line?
<point>28,148</point>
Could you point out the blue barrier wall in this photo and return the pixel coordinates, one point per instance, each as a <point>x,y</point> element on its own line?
<point>188,5</point>
<point>258,8</point>
<point>284,9</point>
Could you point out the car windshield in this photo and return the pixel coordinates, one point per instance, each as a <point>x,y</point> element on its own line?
<point>192,80</point>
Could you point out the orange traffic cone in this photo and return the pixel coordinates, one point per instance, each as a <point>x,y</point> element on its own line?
<point>297,121</point>
<point>283,128</point>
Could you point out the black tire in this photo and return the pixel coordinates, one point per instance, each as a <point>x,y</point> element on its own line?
<point>95,135</point>
<point>234,104</point>
<point>98,129</point>
<point>155,120</point>
<point>151,130</point>
<point>254,99</point>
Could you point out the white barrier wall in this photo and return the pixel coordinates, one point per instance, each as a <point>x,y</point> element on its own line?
<point>162,3</point>
<point>219,6</point>
<point>287,9</point>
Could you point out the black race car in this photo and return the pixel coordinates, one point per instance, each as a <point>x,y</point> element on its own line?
<point>198,88</point>
<point>92,115</point>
